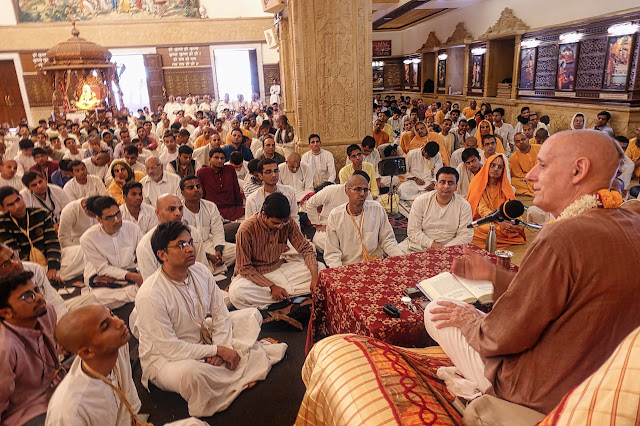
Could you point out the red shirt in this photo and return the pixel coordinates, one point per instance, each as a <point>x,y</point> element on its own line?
<point>221,187</point>
<point>52,166</point>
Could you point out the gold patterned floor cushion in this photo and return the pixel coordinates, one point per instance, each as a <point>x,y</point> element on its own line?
<point>359,380</point>
<point>610,396</point>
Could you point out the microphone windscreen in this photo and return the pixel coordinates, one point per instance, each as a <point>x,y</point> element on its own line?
<point>513,209</point>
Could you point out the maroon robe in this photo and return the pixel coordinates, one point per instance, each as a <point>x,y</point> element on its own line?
<point>222,188</point>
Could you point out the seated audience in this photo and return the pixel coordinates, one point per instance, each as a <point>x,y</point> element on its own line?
<point>236,145</point>
<point>602,123</point>
<point>372,156</point>
<point>296,175</point>
<point>489,143</point>
<point>541,135</point>
<point>135,210</point>
<point>264,273</point>
<point>487,192</point>
<point>439,218</point>
<point>351,239</point>
<point>269,151</point>
<point>171,149</point>
<point>253,180</point>
<point>577,121</point>
<point>109,249</point>
<point>9,176</point>
<point>189,342</point>
<point>633,152</point>
<point>485,128</point>
<point>98,165</point>
<point>205,217</point>
<point>240,166</point>
<point>184,164</point>
<point>157,182</point>
<point>122,174</point>
<point>554,315</point>
<point>320,162</point>
<point>470,166</point>
<point>523,159</point>
<point>29,231</point>
<point>29,366</point>
<point>220,186</point>
<point>63,175</point>
<point>354,153</point>
<point>25,157</point>
<point>83,185</point>
<point>379,135</point>
<point>73,152</point>
<point>422,165</point>
<point>39,194</point>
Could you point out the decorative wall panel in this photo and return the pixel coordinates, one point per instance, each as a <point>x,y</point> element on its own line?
<point>591,63</point>
<point>195,81</point>
<point>38,91</point>
<point>546,66</point>
<point>270,72</point>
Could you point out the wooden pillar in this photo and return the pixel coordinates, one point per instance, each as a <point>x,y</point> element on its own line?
<point>328,71</point>
<point>516,67</point>
<point>467,59</point>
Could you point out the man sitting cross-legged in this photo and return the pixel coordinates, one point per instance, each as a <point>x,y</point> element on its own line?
<point>296,175</point>
<point>189,342</point>
<point>29,367</point>
<point>83,185</point>
<point>422,165</point>
<point>135,210</point>
<point>205,217</point>
<point>565,311</point>
<point>351,238</point>
<point>523,159</point>
<point>270,174</point>
<point>439,218</point>
<point>75,219</point>
<point>262,276</point>
<point>38,193</point>
<point>109,253</point>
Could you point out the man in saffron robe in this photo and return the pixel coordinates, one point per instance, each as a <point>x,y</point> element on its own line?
<point>524,158</point>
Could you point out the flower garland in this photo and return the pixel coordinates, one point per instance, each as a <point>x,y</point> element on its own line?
<point>604,199</point>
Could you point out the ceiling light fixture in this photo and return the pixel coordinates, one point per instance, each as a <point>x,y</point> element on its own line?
<point>532,42</point>
<point>572,37</point>
<point>623,29</point>
<point>416,60</point>
<point>442,56</point>
<point>478,51</point>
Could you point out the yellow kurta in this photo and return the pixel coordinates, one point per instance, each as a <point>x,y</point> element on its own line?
<point>520,164</point>
<point>418,142</point>
<point>491,200</point>
<point>439,118</point>
<point>200,142</point>
<point>244,132</point>
<point>633,152</point>
<point>470,113</point>
<point>115,190</point>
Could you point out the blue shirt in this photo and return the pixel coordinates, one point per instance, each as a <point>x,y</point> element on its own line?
<point>246,152</point>
<point>59,179</point>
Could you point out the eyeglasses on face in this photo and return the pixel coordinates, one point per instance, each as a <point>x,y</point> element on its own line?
<point>113,217</point>
<point>9,260</point>
<point>183,244</point>
<point>30,296</point>
<point>359,190</point>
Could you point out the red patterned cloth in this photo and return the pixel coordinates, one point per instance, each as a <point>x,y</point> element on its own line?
<point>349,299</point>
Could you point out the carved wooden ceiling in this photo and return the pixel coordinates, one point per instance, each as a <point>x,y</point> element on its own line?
<point>394,15</point>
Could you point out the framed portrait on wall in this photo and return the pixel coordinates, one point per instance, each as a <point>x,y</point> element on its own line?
<point>527,67</point>
<point>415,80</point>
<point>616,68</point>
<point>477,71</point>
<point>567,58</point>
<point>442,72</point>
<point>378,77</point>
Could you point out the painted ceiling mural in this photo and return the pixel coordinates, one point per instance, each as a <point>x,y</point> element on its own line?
<point>91,10</point>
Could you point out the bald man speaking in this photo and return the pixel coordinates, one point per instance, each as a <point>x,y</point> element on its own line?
<point>562,315</point>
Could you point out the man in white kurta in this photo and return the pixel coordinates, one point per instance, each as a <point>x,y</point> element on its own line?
<point>173,307</point>
<point>75,219</point>
<point>169,208</point>
<point>296,175</point>
<point>9,175</point>
<point>439,218</point>
<point>109,249</point>
<point>83,185</point>
<point>456,156</point>
<point>469,167</point>
<point>356,223</point>
<point>327,199</point>
<point>422,166</point>
<point>269,171</point>
<point>43,195</point>
<point>135,210</point>
<point>321,162</point>
<point>157,182</point>
<point>205,217</point>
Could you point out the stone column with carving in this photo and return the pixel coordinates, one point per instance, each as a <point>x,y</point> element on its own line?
<point>330,76</point>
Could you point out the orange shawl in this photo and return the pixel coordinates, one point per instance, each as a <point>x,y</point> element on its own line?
<point>499,147</point>
<point>479,184</point>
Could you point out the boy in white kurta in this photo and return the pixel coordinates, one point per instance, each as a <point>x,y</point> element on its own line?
<point>321,162</point>
<point>439,218</point>
<point>75,219</point>
<point>270,173</point>
<point>422,165</point>
<point>208,361</point>
<point>358,223</point>
<point>83,185</point>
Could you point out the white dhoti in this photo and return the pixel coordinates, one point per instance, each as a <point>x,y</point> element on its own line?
<point>228,257</point>
<point>410,190</point>
<point>209,389</point>
<point>386,181</point>
<point>455,345</point>
<point>293,276</point>
<point>113,298</point>
<point>319,239</point>
<point>71,262</point>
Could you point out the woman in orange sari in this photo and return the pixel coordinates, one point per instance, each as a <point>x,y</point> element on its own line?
<point>485,128</point>
<point>487,191</point>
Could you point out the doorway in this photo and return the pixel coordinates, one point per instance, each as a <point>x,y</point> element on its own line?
<point>11,105</point>
<point>133,80</point>
<point>236,72</point>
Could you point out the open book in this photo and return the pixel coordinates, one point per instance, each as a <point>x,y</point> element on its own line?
<point>453,287</point>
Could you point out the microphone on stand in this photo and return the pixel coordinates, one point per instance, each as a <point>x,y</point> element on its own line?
<point>509,210</point>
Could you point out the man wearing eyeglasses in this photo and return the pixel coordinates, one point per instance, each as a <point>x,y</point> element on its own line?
<point>157,182</point>
<point>358,231</point>
<point>29,367</point>
<point>109,254</point>
<point>205,217</point>
<point>264,276</point>
<point>270,174</point>
<point>489,146</point>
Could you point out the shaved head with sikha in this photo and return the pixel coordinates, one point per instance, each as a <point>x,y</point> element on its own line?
<point>572,164</point>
